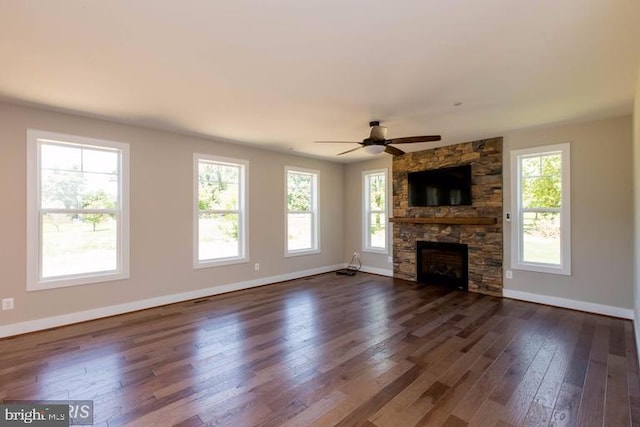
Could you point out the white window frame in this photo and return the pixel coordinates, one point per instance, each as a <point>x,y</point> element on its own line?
<point>35,281</point>
<point>517,262</point>
<point>366,212</point>
<point>315,212</point>
<point>243,208</point>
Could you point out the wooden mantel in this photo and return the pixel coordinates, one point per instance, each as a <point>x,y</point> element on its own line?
<point>467,220</point>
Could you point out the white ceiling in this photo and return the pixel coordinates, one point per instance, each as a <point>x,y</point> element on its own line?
<point>285,73</point>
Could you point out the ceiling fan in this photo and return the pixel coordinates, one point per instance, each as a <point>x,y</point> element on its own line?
<point>376,143</point>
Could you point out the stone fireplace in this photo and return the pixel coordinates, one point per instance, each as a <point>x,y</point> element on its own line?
<point>478,226</point>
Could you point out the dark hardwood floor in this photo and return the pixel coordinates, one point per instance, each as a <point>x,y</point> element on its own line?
<point>333,350</point>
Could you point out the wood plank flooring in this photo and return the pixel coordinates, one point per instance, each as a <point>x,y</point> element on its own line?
<point>333,350</point>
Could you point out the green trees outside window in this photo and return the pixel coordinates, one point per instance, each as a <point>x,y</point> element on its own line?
<point>220,209</point>
<point>540,189</point>
<point>79,208</point>
<point>375,212</point>
<point>301,187</point>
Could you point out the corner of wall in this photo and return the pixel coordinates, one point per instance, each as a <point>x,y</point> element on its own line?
<point>352,232</point>
<point>636,205</point>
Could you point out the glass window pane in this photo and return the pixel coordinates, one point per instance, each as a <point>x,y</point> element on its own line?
<point>299,194</point>
<point>76,244</point>
<point>551,165</point>
<point>218,236</point>
<point>377,192</point>
<point>218,187</point>
<point>299,231</point>
<point>62,189</point>
<point>541,181</point>
<point>377,230</point>
<point>99,161</point>
<point>530,166</point>
<point>77,178</point>
<point>63,157</point>
<point>78,190</point>
<point>541,237</point>
<point>101,192</point>
<point>541,192</point>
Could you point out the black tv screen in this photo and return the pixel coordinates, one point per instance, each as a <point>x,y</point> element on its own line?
<point>440,187</point>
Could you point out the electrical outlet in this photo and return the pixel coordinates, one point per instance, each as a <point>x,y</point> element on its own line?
<point>256,267</point>
<point>509,274</point>
<point>356,254</point>
<point>7,303</point>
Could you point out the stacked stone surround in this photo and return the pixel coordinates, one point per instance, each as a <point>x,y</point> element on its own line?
<point>484,241</point>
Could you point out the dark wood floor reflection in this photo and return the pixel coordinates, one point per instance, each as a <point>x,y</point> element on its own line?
<point>333,350</point>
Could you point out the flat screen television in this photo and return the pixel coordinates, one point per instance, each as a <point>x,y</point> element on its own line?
<point>440,187</point>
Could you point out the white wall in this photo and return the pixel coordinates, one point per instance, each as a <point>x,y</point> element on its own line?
<point>601,213</point>
<point>161,217</point>
<point>636,200</point>
<point>353,218</point>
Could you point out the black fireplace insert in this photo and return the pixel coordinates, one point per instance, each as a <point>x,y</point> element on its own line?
<point>443,264</point>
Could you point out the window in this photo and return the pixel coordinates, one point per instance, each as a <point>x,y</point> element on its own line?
<point>302,211</point>
<point>375,210</point>
<point>220,207</point>
<point>78,215</point>
<point>541,195</point>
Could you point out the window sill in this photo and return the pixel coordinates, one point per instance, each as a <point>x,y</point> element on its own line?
<point>541,268</point>
<point>219,263</point>
<point>376,251</point>
<point>301,252</point>
<point>66,282</point>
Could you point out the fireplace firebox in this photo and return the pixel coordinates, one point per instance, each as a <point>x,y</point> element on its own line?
<point>443,264</point>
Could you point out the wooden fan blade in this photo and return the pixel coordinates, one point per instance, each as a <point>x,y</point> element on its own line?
<point>348,151</point>
<point>412,139</point>
<point>336,142</point>
<point>393,150</point>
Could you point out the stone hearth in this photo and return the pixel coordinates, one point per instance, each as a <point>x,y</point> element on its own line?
<point>484,240</point>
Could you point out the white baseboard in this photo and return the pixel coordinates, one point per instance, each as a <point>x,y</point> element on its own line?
<point>379,271</point>
<point>636,328</point>
<point>636,332</point>
<point>83,316</point>
<point>590,307</point>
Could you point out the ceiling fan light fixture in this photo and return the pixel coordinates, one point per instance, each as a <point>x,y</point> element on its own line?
<point>378,143</point>
<point>374,149</point>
